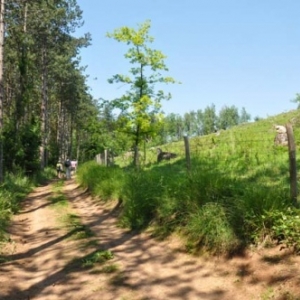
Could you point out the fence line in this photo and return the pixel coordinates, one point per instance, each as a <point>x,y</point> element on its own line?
<point>210,147</point>
<point>259,149</point>
<point>105,158</point>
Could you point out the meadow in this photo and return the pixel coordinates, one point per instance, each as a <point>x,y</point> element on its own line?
<point>236,192</point>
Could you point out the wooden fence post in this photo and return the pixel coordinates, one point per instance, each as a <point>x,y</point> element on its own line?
<point>105,157</point>
<point>293,165</point>
<point>187,153</point>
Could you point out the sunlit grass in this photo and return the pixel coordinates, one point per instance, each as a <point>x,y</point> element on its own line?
<point>235,178</point>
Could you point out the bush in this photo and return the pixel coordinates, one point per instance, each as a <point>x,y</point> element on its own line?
<point>284,226</point>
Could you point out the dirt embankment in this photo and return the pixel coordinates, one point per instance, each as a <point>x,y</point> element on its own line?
<point>47,261</point>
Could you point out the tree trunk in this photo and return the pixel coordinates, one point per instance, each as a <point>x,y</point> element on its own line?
<point>44,111</point>
<point>136,147</point>
<point>58,130</point>
<point>1,86</point>
<point>71,154</point>
<point>21,100</point>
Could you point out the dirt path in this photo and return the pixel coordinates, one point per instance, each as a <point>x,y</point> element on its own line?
<point>45,263</point>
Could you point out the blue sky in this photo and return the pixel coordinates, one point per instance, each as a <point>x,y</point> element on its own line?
<point>225,52</point>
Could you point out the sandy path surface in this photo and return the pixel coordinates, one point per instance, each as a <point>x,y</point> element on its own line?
<point>44,263</point>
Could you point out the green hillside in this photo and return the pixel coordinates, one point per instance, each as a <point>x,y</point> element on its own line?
<point>236,193</point>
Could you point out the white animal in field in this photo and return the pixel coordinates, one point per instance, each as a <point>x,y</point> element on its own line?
<point>281,137</point>
<point>280,129</point>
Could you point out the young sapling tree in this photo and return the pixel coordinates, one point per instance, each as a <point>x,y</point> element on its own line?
<point>140,107</point>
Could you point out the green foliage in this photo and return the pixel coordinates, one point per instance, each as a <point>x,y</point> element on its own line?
<point>236,193</point>
<point>210,229</point>
<point>244,117</point>
<point>99,256</point>
<point>284,226</point>
<point>173,126</point>
<point>140,194</point>
<point>107,183</point>
<point>48,104</point>
<point>228,117</point>
<point>209,119</point>
<point>21,150</point>
<point>297,100</point>
<point>42,176</point>
<point>199,123</point>
<point>140,107</point>
<point>5,215</point>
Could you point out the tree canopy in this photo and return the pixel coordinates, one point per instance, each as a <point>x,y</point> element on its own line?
<point>44,86</point>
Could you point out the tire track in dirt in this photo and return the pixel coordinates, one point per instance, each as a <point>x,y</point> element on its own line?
<point>42,265</point>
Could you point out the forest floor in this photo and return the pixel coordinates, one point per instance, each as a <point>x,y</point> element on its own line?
<point>46,260</point>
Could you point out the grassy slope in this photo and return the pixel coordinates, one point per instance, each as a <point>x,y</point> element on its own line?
<point>236,193</point>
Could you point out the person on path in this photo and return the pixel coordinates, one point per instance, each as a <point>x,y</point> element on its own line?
<point>59,169</point>
<point>68,168</point>
<point>73,166</point>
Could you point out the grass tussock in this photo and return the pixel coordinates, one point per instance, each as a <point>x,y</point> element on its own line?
<point>98,257</point>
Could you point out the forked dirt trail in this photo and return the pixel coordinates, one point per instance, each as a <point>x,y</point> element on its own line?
<point>45,263</point>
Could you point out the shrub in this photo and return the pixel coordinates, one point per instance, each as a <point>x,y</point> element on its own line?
<point>284,227</point>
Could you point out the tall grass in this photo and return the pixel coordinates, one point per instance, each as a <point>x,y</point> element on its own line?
<point>237,183</point>
<point>150,195</point>
<point>106,183</point>
<point>210,229</point>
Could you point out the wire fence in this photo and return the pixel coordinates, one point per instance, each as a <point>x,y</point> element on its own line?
<point>260,151</point>
<point>269,152</point>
